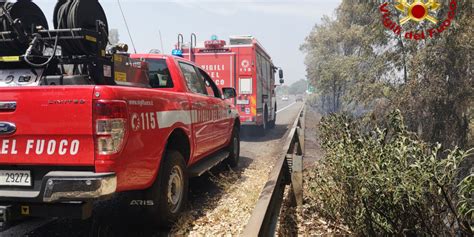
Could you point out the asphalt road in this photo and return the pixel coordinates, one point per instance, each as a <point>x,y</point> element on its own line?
<point>252,148</point>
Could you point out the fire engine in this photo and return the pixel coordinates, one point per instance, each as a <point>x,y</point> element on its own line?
<point>81,122</point>
<point>245,65</point>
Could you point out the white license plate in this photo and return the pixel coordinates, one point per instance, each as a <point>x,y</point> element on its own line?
<point>15,178</point>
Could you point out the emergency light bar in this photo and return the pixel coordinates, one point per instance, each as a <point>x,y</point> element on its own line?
<point>214,44</point>
<point>177,53</point>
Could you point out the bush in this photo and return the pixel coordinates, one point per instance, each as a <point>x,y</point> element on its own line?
<point>382,180</point>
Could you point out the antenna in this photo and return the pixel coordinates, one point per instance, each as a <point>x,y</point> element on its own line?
<point>126,25</point>
<point>161,40</point>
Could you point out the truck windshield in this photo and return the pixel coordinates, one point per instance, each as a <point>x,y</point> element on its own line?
<point>159,74</point>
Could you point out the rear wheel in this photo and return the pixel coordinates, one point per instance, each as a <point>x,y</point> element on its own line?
<point>170,190</point>
<point>234,149</point>
<point>262,129</point>
<point>272,123</point>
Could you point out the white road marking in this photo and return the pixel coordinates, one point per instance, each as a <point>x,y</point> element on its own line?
<point>286,107</point>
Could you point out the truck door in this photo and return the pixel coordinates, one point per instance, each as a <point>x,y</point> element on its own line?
<point>221,111</point>
<point>201,106</point>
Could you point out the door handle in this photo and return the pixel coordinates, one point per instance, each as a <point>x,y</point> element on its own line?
<point>8,106</point>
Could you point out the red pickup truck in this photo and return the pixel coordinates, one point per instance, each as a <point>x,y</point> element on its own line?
<point>68,142</point>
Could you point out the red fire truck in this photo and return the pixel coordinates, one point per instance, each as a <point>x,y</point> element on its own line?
<point>245,65</point>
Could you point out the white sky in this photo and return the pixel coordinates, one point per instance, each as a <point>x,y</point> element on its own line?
<point>280,25</point>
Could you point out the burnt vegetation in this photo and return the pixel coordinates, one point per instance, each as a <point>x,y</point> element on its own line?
<point>399,122</point>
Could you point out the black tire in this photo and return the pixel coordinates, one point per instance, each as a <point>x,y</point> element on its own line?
<point>234,149</point>
<point>262,129</point>
<point>167,206</point>
<point>272,124</point>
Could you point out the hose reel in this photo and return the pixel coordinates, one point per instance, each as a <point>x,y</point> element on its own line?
<point>84,14</point>
<point>22,17</point>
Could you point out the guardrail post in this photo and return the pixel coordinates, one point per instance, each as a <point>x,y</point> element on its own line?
<point>297,161</point>
<point>302,125</point>
<point>297,179</point>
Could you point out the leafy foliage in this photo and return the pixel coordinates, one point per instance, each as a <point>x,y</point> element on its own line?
<point>298,87</point>
<point>282,90</point>
<point>383,180</point>
<point>357,65</point>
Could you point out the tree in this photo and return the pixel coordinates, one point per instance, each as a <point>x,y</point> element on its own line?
<point>282,90</point>
<point>354,62</point>
<point>298,87</point>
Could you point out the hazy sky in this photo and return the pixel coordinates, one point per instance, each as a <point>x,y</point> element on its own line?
<point>280,25</point>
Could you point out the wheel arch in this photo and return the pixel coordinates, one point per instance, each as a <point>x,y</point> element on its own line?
<point>237,123</point>
<point>179,141</point>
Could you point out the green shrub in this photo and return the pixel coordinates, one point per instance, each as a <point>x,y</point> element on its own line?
<point>383,180</point>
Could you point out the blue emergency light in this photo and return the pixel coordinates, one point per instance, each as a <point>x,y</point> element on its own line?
<point>214,37</point>
<point>177,53</point>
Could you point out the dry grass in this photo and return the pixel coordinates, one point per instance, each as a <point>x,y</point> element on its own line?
<point>311,223</point>
<point>305,220</point>
<point>228,214</point>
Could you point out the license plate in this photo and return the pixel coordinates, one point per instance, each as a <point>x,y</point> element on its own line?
<point>15,178</point>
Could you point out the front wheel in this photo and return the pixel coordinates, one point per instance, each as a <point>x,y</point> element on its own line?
<point>234,149</point>
<point>167,197</point>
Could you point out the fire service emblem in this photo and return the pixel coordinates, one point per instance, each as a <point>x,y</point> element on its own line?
<point>417,12</point>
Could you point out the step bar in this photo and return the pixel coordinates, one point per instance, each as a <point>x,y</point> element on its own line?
<point>207,164</point>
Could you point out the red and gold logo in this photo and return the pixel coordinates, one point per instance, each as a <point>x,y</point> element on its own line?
<point>417,11</point>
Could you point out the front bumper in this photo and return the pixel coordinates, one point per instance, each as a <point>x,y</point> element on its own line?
<point>61,186</point>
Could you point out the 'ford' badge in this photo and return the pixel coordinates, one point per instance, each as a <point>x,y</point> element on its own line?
<point>7,128</point>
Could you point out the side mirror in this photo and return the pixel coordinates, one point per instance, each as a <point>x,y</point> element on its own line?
<point>280,73</point>
<point>228,93</point>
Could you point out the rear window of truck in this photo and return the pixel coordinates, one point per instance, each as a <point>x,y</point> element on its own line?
<point>159,74</point>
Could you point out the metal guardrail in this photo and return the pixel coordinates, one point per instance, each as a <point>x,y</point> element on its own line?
<point>288,170</point>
